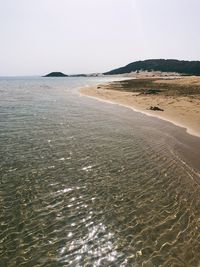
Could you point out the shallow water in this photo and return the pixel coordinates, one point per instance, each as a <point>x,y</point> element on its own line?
<point>85,183</point>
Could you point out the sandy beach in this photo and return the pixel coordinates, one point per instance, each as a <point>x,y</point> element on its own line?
<point>178,97</point>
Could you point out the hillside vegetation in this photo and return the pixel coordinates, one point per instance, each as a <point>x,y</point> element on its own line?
<point>165,65</point>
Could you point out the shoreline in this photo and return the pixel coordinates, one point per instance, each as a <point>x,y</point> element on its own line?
<point>180,115</point>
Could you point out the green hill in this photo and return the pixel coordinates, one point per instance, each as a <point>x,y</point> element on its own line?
<point>56,74</point>
<point>165,65</point>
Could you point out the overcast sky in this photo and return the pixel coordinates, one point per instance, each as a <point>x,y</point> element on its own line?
<point>84,36</point>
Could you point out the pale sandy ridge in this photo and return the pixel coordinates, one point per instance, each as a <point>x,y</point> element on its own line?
<point>182,111</point>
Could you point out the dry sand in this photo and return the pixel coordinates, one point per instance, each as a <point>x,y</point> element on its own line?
<point>182,110</point>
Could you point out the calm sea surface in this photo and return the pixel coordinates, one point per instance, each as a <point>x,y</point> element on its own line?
<point>86,183</point>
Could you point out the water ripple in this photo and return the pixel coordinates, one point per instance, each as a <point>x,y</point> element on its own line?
<point>82,189</point>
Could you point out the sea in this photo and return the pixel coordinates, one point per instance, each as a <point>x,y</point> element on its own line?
<point>89,183</point>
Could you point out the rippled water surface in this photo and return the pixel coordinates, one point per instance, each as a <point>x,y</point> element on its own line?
<point>85,183</point>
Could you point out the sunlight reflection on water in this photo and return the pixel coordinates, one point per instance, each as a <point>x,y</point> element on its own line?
<point>84,183</point>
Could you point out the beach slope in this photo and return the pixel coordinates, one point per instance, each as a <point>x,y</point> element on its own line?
<point>173,99</point>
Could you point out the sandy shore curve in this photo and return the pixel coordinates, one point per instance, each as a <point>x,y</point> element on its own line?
<point>183,111</point>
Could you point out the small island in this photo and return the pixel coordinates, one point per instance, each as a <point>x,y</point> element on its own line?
<point>56,74</point>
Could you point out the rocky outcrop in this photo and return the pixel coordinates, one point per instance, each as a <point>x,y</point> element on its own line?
<point>56,74</point>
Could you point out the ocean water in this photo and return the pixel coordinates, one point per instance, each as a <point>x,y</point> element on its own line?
<point>87,183</point>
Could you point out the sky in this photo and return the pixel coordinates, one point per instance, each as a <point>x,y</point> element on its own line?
<point>87,36</point>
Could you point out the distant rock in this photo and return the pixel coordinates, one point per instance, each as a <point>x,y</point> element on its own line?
<point>156,108</point>
<point>87,75</point>
<point>78,75</point>
<point>56,74</point>
<point>152,91</point>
